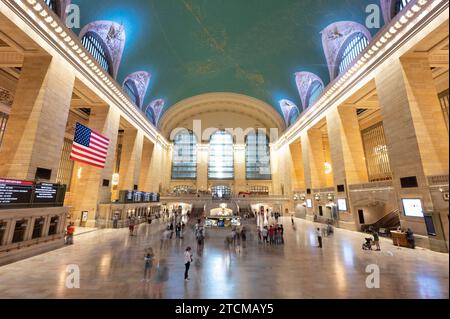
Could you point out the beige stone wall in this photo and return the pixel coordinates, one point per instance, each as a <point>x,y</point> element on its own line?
<point>37,122</point>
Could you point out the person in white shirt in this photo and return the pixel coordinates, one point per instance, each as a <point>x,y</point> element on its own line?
<point>187,262</point>
<point>319,237</point>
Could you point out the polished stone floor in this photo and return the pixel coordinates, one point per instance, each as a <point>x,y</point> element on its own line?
<point>111,266</point>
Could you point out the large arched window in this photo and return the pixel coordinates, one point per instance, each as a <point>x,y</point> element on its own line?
<point>257,156</point>
<point>350,50</point>
<point>399,5</point>
<point>290,111</point>
<point>95,45</point>
<point>343,42</point>
<point>131,90</point>
<point>314,93</point>
<point>221,156</point>
<point>184,160</point>
<point>52,4</point>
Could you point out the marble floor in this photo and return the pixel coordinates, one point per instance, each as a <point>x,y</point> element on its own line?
<point>111,266</point>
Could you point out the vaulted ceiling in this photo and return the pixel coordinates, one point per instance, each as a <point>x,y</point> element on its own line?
<point>251,47</point>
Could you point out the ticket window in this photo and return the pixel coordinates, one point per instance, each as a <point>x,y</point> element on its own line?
<point>53,229</point>
<point>3,226</point>
<point>19,231</point>
<point>38,227</point>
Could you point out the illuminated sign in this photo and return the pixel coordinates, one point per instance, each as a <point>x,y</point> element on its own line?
<point>15,192</point>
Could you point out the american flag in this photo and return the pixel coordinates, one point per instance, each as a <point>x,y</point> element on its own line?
<point>89,147</point>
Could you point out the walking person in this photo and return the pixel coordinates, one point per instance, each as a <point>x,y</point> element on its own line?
<point>187,262</point>
<point>319,237</point>
<point>148,265</point>
<point>162,276</point>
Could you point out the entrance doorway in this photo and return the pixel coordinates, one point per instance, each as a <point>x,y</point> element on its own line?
<point>362,220</point>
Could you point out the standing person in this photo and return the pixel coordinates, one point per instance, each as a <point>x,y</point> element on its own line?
<point>187,262</point>
<point>282,234</point>
<point>148,265</point>
<point>70,233</point>
<point>265,234</point>
<point>292,220</point>
<point>319,237</point>
<point>258,230</point>
<point>271,235</point>
<point>131,226</point>
<point>178,230</point>
<point>376,239</point>
<point>233,235</point>
<point>244,237</point>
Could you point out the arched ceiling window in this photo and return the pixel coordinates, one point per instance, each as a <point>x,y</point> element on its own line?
<point>290,111</point>
<point>391,8</point>
<point>136,85</point>
<point>257,156</point>
<point>221,156</point>
<point>342,43</point>
<point>154,111</point>
<point>350,50</point>
<point>58,7</point>
<point>130,89</point>
<point>309,86</point>
<point>112,36</point>
<point>184,158</point>
<point>95,45</point>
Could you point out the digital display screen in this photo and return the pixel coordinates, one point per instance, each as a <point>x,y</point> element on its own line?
<point>15,192</point>
<point>412,207</point>
<point>342,205</point>
<point>45,193</point>
<point>309,203</point>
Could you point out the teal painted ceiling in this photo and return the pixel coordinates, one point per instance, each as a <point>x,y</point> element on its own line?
<point>252,47</point>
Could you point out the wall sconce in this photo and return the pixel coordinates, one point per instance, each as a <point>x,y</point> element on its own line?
<point>317,197</point>
<point>79,172</point>
<point>328,168</point>
<point>330,197</point>
<point>115,179</point>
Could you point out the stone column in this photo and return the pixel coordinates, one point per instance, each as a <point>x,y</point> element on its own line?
<point>313,161</point>
<point>347,154</point>
<point>130,161</point>
<point>202,166</point>
<point>87,189</point>
<point>34,137</point>
<point>240,179</point>
<point>415,130</point>
<point>158,167</point>
<point>146,180</point>
<point>299,170</point>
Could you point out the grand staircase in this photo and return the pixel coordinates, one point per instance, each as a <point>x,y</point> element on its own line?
<point>389,222</point>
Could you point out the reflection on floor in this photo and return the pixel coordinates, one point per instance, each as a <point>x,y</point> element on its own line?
<point>111,266</point>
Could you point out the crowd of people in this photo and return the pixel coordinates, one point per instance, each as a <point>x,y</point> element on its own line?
<point>271,235</point>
